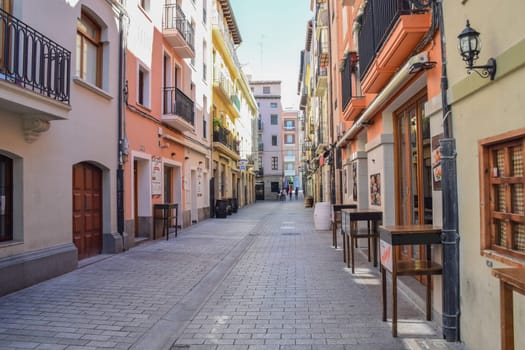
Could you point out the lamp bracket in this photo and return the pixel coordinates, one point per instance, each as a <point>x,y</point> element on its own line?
<point>486,71</point>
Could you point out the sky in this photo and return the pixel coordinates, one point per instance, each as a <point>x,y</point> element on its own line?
<point>273,34</point>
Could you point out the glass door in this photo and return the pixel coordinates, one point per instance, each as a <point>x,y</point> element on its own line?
<point>413,163</point>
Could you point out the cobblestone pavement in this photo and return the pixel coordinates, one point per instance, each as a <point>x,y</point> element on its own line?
<point>261,279</point>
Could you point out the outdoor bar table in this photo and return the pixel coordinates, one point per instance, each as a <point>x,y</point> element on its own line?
<point>511,280</point>
<point>336,219</point>
<point>392,237</point>
<point>351,233</point>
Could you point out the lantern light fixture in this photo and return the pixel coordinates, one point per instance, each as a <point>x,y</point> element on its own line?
<point>469,45</point>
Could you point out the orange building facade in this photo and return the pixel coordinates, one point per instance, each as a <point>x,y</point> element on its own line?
<point>384,107</point>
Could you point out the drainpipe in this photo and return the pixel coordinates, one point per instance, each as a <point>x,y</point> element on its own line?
<point>123,147</point>
<point>331,109</point>
<point>450,235</point>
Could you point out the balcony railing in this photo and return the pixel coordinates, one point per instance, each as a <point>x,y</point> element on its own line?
<point>378,20</point>
<point>32,60</point>
<point>177,103</point>
<point>174,18</point>
<point>225,136</point>
<point>346,82</point>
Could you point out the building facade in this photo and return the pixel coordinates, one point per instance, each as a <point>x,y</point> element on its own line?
<point>488,130</point>
<point>167,113</point>
<point>59,137</point>
<point>291,135</point>
<point>423,155</point>
<point>270,178</point>
<point>233,114</point>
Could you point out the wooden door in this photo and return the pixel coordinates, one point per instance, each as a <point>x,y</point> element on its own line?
<point>6,199</point>
<point>87,209</point>
<point>414,176</point>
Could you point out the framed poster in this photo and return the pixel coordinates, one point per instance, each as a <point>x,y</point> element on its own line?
<point>375,189</point>
<point>156,176</point>
<point>436,162</point>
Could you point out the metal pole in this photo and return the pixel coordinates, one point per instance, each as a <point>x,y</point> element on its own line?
<point>450,235</point>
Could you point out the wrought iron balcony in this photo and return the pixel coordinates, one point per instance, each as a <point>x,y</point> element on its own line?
<point>226,138</point>
<point>346,81</point>
<point>378,21</point>
<point>178,109</point>
<point>33,61</point>
<point>178,31</point>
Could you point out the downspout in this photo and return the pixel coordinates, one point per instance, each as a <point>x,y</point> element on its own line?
<point>123,147</point>
<point>331,109</point>
<point>450,235</point>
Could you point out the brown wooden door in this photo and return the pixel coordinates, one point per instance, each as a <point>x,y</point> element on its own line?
<point>87,209</point>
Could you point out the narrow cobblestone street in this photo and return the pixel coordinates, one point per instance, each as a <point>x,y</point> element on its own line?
<point>261,279</point>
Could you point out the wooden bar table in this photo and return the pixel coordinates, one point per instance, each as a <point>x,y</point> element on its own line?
<point>392,237</point>
<point>351,233</point>
<point>336,219</point>
<point>511,280</point>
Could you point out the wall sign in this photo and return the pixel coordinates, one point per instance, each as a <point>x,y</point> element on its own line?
<point>156,176</point>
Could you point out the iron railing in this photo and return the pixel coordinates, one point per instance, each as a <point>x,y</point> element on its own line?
<point>346,82</point>
<point>32,60</point>
<point>379,18</point>
<point>174,18</point>
<point>177,103</point>
<point>225,136</point>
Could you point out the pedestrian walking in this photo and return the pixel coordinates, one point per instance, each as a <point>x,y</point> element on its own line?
<point>282,195</point>
<point>296,193</point>
<point>290,193</point>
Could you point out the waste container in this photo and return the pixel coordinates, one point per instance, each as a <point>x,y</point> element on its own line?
<point>308,201</point>
<point>221,208</point>
<point>229,208</point>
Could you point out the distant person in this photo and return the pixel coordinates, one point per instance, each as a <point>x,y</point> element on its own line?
<point>290,193</point>
<point>282,195</point>
<point>296,193</point>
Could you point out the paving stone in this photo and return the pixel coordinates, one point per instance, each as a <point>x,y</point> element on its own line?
<point>263,279</point>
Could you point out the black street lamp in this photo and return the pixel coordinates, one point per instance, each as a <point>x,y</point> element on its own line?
<point>469,45</point>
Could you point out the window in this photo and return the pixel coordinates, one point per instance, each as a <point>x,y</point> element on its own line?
<point>6,199</point>
<point>275,163</point>
<point>274,119</point>
<point>204,65</point>
<point>273,104</point>
<point>289,166</point>
<point>89,51</point>
<point>274,140</point>
<point>289,153</point>
<point>502,186</point>
<point>289,124</point>
<point>266,90</point>
<point>143,87</point>
<point>204,12</point>
<point>289,139</point>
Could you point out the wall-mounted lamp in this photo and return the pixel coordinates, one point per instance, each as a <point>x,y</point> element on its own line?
<point>469,45</point>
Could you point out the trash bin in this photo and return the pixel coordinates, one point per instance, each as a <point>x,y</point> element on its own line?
<point>235,204</point>
<point>308,201</point>
<point>221,208</point>
<point>229,208</point>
